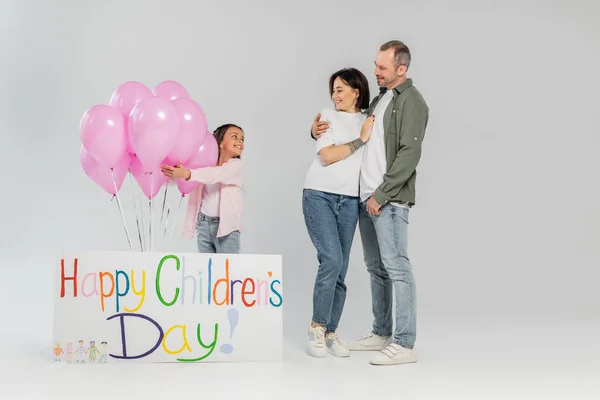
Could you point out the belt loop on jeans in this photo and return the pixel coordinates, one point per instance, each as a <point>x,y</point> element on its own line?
<point>202,217</point>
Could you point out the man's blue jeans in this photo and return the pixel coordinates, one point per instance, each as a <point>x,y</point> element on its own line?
<point>384,239</point>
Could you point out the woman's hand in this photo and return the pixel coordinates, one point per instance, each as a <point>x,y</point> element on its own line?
<point>365,133</point>
<point>176,172</point>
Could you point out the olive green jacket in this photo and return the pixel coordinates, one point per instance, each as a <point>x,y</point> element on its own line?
<point>404,121</point>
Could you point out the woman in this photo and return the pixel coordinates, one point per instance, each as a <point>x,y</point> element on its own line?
<point>330,204</point>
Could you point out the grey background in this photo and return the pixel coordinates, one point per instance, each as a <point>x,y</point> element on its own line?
<point>506,227</point>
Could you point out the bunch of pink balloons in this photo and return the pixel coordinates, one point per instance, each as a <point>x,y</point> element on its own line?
<point>140,129</point>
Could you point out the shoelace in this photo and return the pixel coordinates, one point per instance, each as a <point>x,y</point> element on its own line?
<point>334,338</point>
<point>319,337</point>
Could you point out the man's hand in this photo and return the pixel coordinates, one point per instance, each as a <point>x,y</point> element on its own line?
<point>176,172</point>
<point>319,127</point>
<point>373,207</point>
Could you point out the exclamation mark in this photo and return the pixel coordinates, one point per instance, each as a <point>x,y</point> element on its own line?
<point>233,316</point>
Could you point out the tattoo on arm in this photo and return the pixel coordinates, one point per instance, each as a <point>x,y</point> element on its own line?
<point>355,145</point>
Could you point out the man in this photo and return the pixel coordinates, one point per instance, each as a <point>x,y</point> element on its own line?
<point>387,192</point>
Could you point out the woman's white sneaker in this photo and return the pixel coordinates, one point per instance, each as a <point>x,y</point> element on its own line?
<point>335,347</point>
<point>316,342</point>
<point>394,354</point>
<point>369,342</point>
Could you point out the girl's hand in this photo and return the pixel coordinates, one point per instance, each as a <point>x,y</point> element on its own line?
<point>176,172</point>
<point>365,133</point>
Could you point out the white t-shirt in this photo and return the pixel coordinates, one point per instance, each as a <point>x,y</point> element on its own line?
<point>374,160</point>
<point>211,198</point>
<point>341,177</point>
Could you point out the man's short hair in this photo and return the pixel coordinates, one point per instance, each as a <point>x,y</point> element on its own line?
<point>401,52</point>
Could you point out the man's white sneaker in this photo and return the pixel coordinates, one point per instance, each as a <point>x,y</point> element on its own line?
<point>394,354</point>
<point>335,347</point>
<point>369,342</point>
<point>316,342</point>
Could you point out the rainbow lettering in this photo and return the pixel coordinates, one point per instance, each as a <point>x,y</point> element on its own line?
<point>122,293</point>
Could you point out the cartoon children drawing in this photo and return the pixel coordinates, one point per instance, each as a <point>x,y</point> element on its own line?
<point>69,352</point>
<point>57,352</point>
<point>103,352</point>
<point>80,352</point>
<point>93,351</point>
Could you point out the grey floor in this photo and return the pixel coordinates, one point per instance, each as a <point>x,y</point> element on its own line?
<point>483,358</point>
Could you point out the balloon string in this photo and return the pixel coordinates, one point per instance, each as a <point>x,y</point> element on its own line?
<point>137,220</point>
<point>142,212</point>
<point>169,203</point>
<point>162,213</point>
<point>175,218</point>
<point>167,222</point>
<point>120,208</point>
<point>151,211</point>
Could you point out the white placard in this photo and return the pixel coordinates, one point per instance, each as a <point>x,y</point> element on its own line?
<point>161,307</point>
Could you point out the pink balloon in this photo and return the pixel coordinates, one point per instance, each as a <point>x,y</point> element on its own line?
<point>192,129</point>
<point>170,90</point>
<point>169,161</point>
<point>206,156</point>
<point>149,182</point>
<point>125,97</point>
<point>102,132</point>
<point>101,174</point>
<point>153,129</point>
